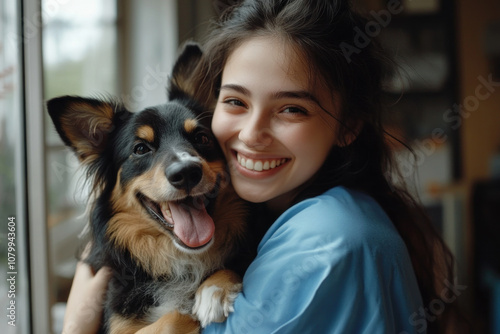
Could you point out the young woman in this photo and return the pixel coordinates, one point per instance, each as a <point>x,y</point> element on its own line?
<point>299,121</point>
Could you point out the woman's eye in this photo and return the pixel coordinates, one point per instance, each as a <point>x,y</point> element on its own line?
<point>141,149</point>
<point>234,102</point>
<point>295,110</point>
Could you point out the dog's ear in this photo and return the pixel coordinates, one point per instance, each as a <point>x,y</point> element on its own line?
<point>181,84</point>
<point>84,124</point>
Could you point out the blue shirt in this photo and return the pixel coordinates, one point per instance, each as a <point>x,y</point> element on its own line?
<point>329,264</point>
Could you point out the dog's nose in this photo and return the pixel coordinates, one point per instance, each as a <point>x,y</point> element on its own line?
<point>184,174</point>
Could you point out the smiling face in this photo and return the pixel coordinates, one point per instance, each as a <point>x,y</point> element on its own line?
<point>270,122</point>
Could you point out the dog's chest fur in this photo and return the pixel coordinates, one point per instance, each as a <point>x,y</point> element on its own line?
<point>149,298</point>
<point>172,296</point>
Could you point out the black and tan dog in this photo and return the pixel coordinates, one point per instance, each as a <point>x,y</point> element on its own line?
<point>163,215</point>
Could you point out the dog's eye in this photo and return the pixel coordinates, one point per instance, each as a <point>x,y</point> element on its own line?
<point>140,149</point>
<point>202,138</point>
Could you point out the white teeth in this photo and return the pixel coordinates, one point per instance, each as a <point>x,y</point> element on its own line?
<point>165,209</point>
<point>259,165</point>
<point>249,164</point>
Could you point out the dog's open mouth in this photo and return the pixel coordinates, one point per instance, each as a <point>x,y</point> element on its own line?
<point>187,219</point>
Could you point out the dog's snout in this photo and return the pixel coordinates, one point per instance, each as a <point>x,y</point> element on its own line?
<point>184,174</point>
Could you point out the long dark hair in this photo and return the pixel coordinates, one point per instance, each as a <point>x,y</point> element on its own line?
<point>323,32</point>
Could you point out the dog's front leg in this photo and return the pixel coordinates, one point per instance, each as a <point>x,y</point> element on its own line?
<point>170,323</point>
<point>215,297</point>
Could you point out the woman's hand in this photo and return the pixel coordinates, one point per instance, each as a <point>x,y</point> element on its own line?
<point>86,298</point>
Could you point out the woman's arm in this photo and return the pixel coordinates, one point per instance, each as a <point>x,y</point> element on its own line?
<point>85,302</point>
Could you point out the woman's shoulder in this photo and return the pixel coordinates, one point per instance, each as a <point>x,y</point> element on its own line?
<point>341,215</point>
<point>340,203</point>
<point>351,259</point>
<point>339,210</point>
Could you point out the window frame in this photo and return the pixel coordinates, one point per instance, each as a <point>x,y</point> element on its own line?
<point>36,215</point>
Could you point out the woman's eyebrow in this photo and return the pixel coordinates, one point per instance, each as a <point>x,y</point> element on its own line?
<point>299,94</point>
<point>237,88</point>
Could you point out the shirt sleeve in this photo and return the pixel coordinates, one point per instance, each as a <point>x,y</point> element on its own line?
<point>315,273</point>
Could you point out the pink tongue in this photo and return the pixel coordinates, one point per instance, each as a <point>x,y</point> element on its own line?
<point>192,224</point>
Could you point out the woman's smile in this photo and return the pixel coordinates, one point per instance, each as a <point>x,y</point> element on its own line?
<point>257,166</point>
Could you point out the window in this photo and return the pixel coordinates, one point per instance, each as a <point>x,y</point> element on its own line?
<point>14,282</point>
<point>79,58</point>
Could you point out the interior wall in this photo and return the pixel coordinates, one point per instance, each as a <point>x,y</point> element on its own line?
<point>480,133</point>
<point>148,48</point>
<point>480,99</point>
<point>194,19</point>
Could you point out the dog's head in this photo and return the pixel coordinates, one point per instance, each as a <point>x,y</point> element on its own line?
<point>155,172</point>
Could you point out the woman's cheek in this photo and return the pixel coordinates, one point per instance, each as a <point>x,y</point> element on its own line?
<point>221,126</point>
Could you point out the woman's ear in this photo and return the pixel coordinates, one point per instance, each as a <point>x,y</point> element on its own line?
<point>349,132</point>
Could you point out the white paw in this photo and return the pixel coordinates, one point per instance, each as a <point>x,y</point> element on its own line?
<point>213,303</point>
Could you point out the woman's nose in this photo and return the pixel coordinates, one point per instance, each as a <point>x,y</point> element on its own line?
<point>256,132</point>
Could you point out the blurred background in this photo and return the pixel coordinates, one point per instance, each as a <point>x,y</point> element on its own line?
<point>444,101</point>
